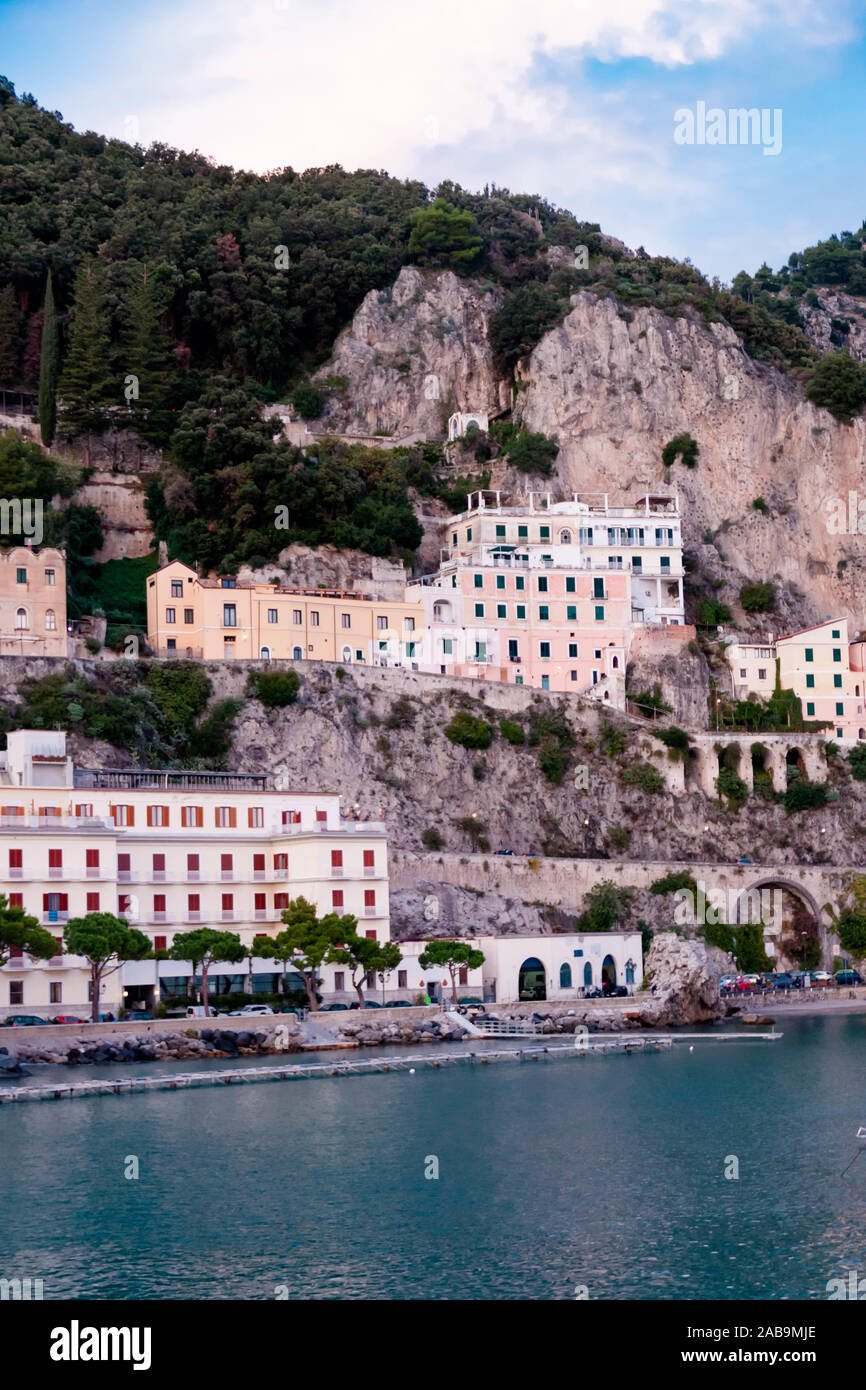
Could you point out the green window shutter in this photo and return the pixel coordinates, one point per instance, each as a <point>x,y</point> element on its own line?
<point>570,584</point>
<point>500,610</point>
<point>543,613</point>
<point>479,610</point>
<point>837,682</point>
<point>809,654</point>
<point>810,682</point>
<point>840,708</point>
<point>571,613</point>
<point>599,613</point>
<point>544,533</point>
<point>521,610</point>
<point>500,531</point>
<point>810,708</point>
<point>520,582</point>
<point>500,581</point>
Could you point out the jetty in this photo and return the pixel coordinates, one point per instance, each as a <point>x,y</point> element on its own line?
<point>581,1046</point>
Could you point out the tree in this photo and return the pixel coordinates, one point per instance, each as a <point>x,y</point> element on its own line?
<point>147,356</point>
<point>87,386</point>
<point>24,933</point>
<point>604,906</point>
<point>106,942</point>
<point>469,731</point>
<point>453,955</point>
<point>49,357</point>
<point>533,453</point>
<point>838,383</point>
<point>204,946</point>
<point>308,940</point>
<point>365,956</point>
<point>10,337</point>
<point>523,320</point>
<point>308,402</point>
<point>443,235</point>
<point>758,598</point>
<point>682,446</point>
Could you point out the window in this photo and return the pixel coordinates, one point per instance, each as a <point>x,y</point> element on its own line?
<point>469,534</point>
<point>598,588</point>
<point>402,979</point>
<point>339,979</point>
<point>837,682</point>
<point>256,817</point>
<point>480,651</point>
<point>260,902</point>
<point>840,708</point>
<point>297,617</point>
<point>478,581</point>
<point>170,615</point>
<point>369,858</point>
<point>16,992</point>
<point>193,902</point>
<point>453,537</point>
<point>21,619</point>
<point>572,651</point>
<point>519,581</point>
<point>479,610</point>
<point>49,578</point>
<point>837,653</point>
<point>92,901</point>
<point>55,992</point>
<point>381,623</point>
<point>544,533</point>
<point>281,862</point>
<point>227,866</point>
<point>565,976</point>
<point>273,615</point>
<point>336,897</point>
<point>50,620</point>
<point>230,615</point>
<point>570,584</point>
<point>227,583</point>
<point>742,673</point>
<point>345,620</point>
<point>192,816</point>
<point>810,682</point>
<point>192,865</point>
<point>16,858</point>
<point>159,866</point>
<point>296,653</point>
<point>665,562</point>
<point>544,650</point>
<point>500,581</point>
<point>545,682</point>
<point>157,815</point>
<point>177,588</point>
<point>21,576</point>
<point>835,634</point>
<point>336,859</point>
<point>258,863</point>
<point>762,673</point>
<point>123,870</point>
<point>189,616</point>
<point>408,624</point>
<point>521,610</point>
<point>523,533</point>
<point>599,613</point>
<point>500,532</point>
<point>225,817</point>
<point>55,859</point>
<point>573,675</point>
<point>542,584</point>
<point>159,943</point>
<point>809,654</point>
<point>228,902</point>
<point>571,613</point>
<point>369,897</point>
<point>810,707</point>
<point>543,613</point>
<point>447,646</point>
<point>500,610</point>
<point>314,618</point>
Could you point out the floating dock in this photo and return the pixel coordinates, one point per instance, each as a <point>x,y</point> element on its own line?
<point>583,1046</point>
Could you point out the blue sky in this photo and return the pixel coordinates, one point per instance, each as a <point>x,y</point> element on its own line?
<point>572,99</point>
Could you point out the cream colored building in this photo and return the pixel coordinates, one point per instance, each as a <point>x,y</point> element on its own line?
<point>32,602</point>
<point>823,665</point>
<point>223,619</point>
<point>169,851</point>
<point>753,668</point>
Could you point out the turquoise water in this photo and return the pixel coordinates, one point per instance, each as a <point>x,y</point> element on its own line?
<point>601,1172</point>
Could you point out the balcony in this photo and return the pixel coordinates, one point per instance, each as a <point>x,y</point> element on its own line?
<point>159,917</point>
<point>193,875</point>
<point>124,876</point>
<point>259,875</point>
<point>54,915</point>
<point>193,916</point>
<point>158,876</point>
<point>93,871</point>
<point>227,915</point>
<point>336,871</point>
<point>281,873</point>
<point>227,875</point>
<point>260,914</point>
<point>55,873</point>
<point>369,871</point>
<point>16,873</point>
<point>371,911</point>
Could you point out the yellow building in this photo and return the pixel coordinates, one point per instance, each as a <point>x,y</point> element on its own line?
<point>820,665</point>
<point>226,618</point>
<point>32,602</point>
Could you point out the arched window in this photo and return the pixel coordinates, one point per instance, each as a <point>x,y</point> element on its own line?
<point>21,619</point>
<point>587,975</point>
<point>296,653</point>
<point>347,653</point>
<point>565,976</point>
<point>615,662</point>
<point>441,612</point>
<point>565,538</point>
<point>50,620</point>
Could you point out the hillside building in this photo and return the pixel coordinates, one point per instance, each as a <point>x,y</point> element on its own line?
<point>823,665</point>
<point>33,602</point>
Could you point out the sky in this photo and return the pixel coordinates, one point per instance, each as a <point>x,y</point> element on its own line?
<point>585,102</point>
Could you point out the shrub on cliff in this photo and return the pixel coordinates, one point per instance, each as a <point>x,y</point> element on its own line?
<point>512,732</point>
<point>533,453</point>
<point>838,383</point>
<point>857,762</point>
<point>469,731</point>
<point>522,322</point>
<point>274,689</point>
<point>681,446</point>
<point>674,881</point>
<point>732,788</point>
<point>644,776</point>
<point>443,235</point>
<point>803,795</point>
<point>758,598</point>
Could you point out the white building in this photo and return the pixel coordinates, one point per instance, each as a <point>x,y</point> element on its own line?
<point>460,421</point>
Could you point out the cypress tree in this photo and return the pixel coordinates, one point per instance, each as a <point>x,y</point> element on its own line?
<point>48,362</point>
<point>86,383</point>
<point>10,337</point>
<point>146,355</point>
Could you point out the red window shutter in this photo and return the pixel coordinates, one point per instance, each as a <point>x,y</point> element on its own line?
<point>228,901</point>
<point>193,900</point>
<point>159,902</point>
<point>92,858</point>
<point>261,936</point>
<point>321,815</point>
<point>55,859</point>
<point>16,952</point>
<point>16,899</point>
<point>337,897</point>
<point>192,861</point>
<point>370,935</point>
<point>112,811</point>
<point>159,943</point>
<point>369,897</point>
<point>260,902</point>
<point>336,859</point>
<point>92,902</point>
<point>258,863</point>
<point>64,902</point>
<point>463,976</point>
<point>369,858</point>
<point>123,863</point>
<point>150,815</point>
<point>233,817</point>
<point>45,903</point>
<point>159,863</point>
<point>123,901</point>
<point>281,900</point>
<point>286,815</point>
<point>130,815</point>
<point>225,861</point>
<point>281,861</point>
<point>16,859</point>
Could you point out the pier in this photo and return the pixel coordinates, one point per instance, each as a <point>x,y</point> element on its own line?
<point>582,1046</point>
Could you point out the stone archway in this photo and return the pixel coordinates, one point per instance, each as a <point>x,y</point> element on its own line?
<point>532,980</point>
<point>792,920</point>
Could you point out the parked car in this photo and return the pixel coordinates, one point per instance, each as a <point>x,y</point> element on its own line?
<point>532,854</point>
<point>399,1004</point>
<point>468,999</point>
<point>503,851</point>
<point>848,977</point>
<point>744,859</point>
<point>614,991</point>
<point>782,979</point>
<point>334,1008</point>
<point>138,1015</point>
<point>67,1018</point>
<point>727,982</point>
<point>821,977</point>
<point>249,1009</point>
<point>24,1021</point>
<point>197,1011</point>
<point>371,1004</point>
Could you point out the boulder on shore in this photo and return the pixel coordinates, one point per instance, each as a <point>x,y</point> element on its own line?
<point>686,982</point>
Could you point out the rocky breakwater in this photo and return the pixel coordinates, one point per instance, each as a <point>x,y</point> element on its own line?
<point>187,1045</point>
<point>684,978</point>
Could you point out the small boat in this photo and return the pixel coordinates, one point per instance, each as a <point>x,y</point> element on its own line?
<point>861,1133</point>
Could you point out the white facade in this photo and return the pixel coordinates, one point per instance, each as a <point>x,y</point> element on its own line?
<point>460,421</point>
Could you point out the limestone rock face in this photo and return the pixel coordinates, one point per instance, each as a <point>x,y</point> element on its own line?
<point>824,334</point>
<point>413,354</point>
<point>686,981</point>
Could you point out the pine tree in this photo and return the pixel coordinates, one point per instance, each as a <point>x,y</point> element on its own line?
<point>87,386</point>
<point>31,357</point>
<point>48,362</point>
<point>146,356</point>
<point>10,337</point>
